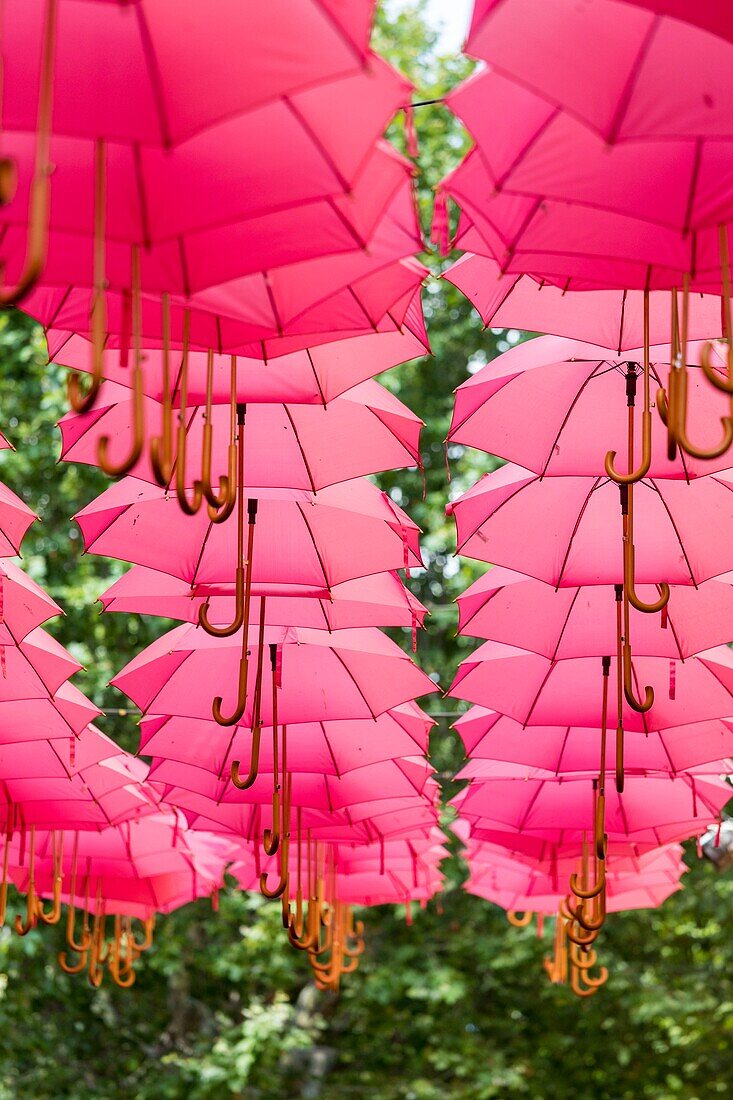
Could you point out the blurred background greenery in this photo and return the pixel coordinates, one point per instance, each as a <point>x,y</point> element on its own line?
<point>457,1005</point>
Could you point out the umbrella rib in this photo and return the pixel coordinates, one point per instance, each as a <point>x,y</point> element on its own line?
<point>634,72</point>
<point>199,559</point>
<point>553,657</point>
<point>596,483</point>
<point>301,449</point>
<point>330,749</point>
<point>315,546</point>
<point>569,413</point>
<point>561,754</point>
<point>653,485</point>
<point>156,81</point>
<point>54,316</point>
<point>349,673</point>
<point>316,379</point>
<point>343,183</point>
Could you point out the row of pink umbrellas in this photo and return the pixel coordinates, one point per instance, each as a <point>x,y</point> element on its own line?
<point>231,261</point>
<point>595,200</point>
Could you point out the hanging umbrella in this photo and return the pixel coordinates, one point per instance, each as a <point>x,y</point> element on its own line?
<point>504,519</point>
<point>511,608</point>
<point>329,748</point>
<point>25,605</point>
<point>585,393</point>
<point>378,600</point>
<point>660,810</point>
<point>481,854</point>
<point>490,738</point>
<point>347,674</point>
<point>615,65</point>
<point>15,519</point>
<point>139,98</point>
<point>343,532</point>
<point>35,668</point>
<point>536,691</point>
<point>611,318</point>
<point>365,431</point>
<point>64,714</point>
<point>314,376</point>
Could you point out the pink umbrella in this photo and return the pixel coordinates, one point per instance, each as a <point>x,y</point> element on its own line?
<point>64,714</point>
<point>312,376</point>
<point>612,318</point>
<point>378,600</point>
<point>57,77</point>
<point>621,858</point>
<point>364,431</point>
<point>503,519</point>
<point>490,736</point>
<point>513,609</point>
<point>15,519</point>
<point>25,605</point>
<point>343,532</point>
<point>348,674</point>
<point>584,392</point>
<point>663,810</point>
<point>540,692</point>
<point>35,668</point>
<point>614,65</point>
<point>329,748</point>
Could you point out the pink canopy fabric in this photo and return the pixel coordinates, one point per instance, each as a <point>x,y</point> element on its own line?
<point>15,519</point>
<point>566,530</point>
<point>293,447</point>
<point>493,737</point>
<point>312,376</point>
<point>515,610</point>
<point>659,810</point>
<point>208,221</point>
<point>64,714</point>
<point>615,65</point>
<point>345,531</point>
<point>25,604</point>
<point>584,409</point>
<point>610,318</point>
<point>257,57</point>
<point>379,600</point>
<point>151,864</point>
<point>540,692</point>
<point>347,674</point>
<point>329,748</point>
<point>36,667</point>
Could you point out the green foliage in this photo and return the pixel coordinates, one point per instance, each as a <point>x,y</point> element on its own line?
<point>457,1005</point>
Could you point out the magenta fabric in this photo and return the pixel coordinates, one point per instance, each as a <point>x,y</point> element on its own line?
<point>582,389</point>
<point>537,691</point>
<point>610,318</point>
<point>378,600</point>
<point>15,519</point>
<point>567,530</point>
<point>158,57</point>
<point>347,674</point>
<point>343,532</point>
<point>329,748</point>
<point>616,66</point>
<point>513,609</point>
<point>294,447</point>
<point>25,604</point>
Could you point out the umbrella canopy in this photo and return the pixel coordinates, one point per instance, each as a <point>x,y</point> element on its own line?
<point>15,519</point>
<point>256,56</point>
<point>378,600</point>
<point>35,668</point>
<point>583,390</point>
<point>347,674</point>
<point>25,605</point>
<point>65,713</point>
<point>504,519</point>
<point>365,431</point>
<point>153,864</point>
<point>613,319</point>
<point>493,737</point>
<point>329,748</point>
<point>559,623</point>
<point>614,65</point>
<point>661,810</point>
<point>540,692</point>
<point>343,532</point>
<point>312,376</point>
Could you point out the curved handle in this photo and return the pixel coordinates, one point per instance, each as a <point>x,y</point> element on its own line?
<point>237,622</point>
<point>72,968</point>
<point>40,195</point>
<point>629,586</point>
<point>237,714</point>
<point>646,456</point>
<point>254,763</point>
<point>648,701</point>
<point>283,881</point>
<point>519,920</point>
<point>586,893</point>
<point>119,469</point>
<point>271,837</point>
<point>575,935</point>
<point>578,989</point>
